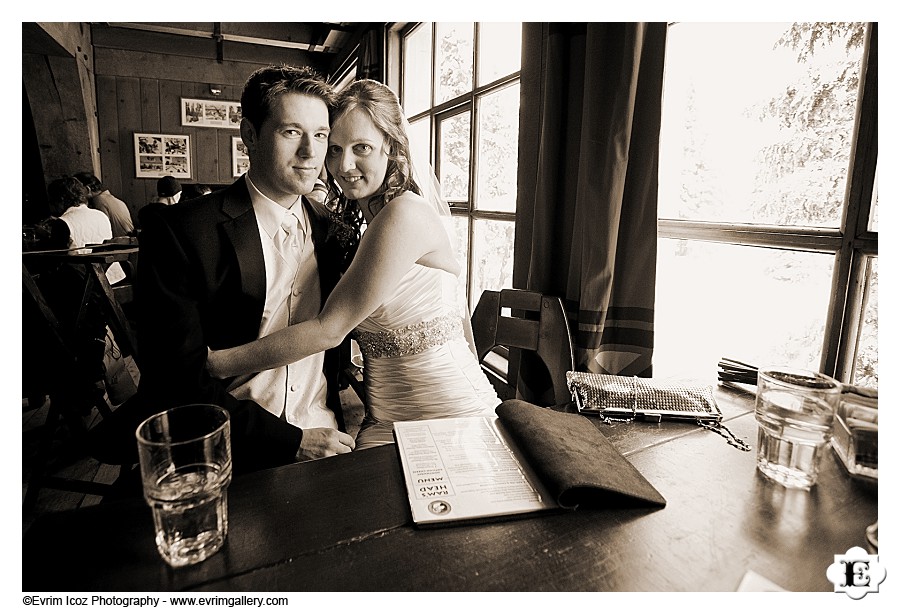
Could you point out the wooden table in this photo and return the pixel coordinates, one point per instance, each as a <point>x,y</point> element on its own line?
<point>94,263</point>
<point>58,344</point>
<point>343,524</point>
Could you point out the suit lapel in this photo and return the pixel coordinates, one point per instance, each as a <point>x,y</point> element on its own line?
<point>242,231</point>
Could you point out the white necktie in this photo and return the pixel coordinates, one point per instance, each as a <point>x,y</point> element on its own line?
<point>288,239</point>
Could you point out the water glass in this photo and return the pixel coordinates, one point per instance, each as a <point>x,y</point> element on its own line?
<point>185,458</point>
<point>795,412</point>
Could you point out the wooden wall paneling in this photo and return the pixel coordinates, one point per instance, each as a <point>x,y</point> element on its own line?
<point>191,89</point>
<point>262,56</point>
<point>225,137</point>
<point>128,100</point>
<point>151,121</point>
<point>231,92</point>
<point>170,118</point>
<point>204,154</point>
<point>153,42</point>
<point>150,106</point>
<point>121,62</point>
<point>108,125</point>
<point>170,93</point>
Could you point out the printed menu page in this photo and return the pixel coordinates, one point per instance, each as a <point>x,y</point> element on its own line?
<point>465,468</point>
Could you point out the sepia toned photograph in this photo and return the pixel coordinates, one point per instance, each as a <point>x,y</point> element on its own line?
<point>240,159</point>
<point>157,155</point>
<point>501,307</point>
<point>210,113</point>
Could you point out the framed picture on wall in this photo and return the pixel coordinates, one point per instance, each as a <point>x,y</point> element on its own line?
<point>158,155</point>
<point>210,113</point>
<point>240,161</point>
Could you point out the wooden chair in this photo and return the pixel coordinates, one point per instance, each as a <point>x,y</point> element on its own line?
<point>59,369</point>
<point>535,325</point>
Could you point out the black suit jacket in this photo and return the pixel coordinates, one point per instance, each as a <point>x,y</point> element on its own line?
<point>201,283</point>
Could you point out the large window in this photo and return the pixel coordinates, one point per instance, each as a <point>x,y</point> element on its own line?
<point>768,210</point>
<point>459,86</point>
<point>768,246</point>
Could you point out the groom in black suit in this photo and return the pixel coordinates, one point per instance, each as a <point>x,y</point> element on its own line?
<point>211,273</point>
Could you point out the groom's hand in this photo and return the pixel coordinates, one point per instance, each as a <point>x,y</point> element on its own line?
<point>322,442</point>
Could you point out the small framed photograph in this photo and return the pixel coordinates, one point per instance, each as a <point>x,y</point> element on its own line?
<point>240,160</point>
<point>210,113</point>
<point>157,155</point>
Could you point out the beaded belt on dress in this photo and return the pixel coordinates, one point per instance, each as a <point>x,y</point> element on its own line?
<point>410,339</point>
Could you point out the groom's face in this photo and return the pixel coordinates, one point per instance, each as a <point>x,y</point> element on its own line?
<point>288,150</point>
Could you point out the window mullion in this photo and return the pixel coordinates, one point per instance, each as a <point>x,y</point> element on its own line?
<point>853,318</point>
<point>754,235</point>
<point>845,300</point>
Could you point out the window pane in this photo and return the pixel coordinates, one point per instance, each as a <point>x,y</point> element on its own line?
<point>499,50</point>
<point>454,157</point>
<point>492,257</point>
<point>417,70</point>
<point>865,366</point>
<point>873,212</point>
<point>419,145</point>
<point>455,44</point>
<point>757,305</point>
<point>461,237</point>
<point>498,146</point>
<point>760,129</point>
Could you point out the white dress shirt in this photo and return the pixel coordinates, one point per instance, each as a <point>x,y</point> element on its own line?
<point>86,226</point>
<point>296,392</point>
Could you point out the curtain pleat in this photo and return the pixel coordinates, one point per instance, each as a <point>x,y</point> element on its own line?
<point>591,97</point>
<point>370,64</point>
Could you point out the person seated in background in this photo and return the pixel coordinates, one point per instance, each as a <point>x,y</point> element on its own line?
<point>73,224</point>
<point>194,191</point>
<point>102,200</point>
<point>168,192</point>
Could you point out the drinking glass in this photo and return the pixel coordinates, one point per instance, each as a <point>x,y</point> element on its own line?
<point>795,411</point>
<point>185,458</point>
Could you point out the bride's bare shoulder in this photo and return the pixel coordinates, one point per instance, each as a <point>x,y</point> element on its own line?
<point>410,204</point>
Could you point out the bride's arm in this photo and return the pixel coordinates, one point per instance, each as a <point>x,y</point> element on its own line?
<point>400,235</point>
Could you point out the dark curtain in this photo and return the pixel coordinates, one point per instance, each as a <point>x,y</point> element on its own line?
<point>591,96</point>
<point>370,63</point>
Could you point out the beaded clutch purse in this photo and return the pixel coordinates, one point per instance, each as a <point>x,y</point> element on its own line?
<point>617,398</point>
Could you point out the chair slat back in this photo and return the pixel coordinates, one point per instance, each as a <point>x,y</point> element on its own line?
<point>536,324</point>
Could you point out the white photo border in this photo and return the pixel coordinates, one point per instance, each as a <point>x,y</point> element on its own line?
<point>203,113</point>
<point>240,161</point>
<point>158,155</point>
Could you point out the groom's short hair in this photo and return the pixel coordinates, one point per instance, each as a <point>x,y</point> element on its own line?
<point>266,84</point>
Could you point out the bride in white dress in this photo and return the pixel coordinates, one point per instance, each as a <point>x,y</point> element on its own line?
<point>398,298</point>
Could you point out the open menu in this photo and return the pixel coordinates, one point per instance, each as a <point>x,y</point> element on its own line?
<point>526,459</point>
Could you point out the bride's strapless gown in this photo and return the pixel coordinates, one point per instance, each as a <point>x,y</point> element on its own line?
<point>417,362</point>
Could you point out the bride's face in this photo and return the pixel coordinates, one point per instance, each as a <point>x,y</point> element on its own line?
<point>357,155</point>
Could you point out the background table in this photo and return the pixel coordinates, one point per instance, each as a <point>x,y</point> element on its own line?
<point>94,264</point>
<point>343,524</point>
